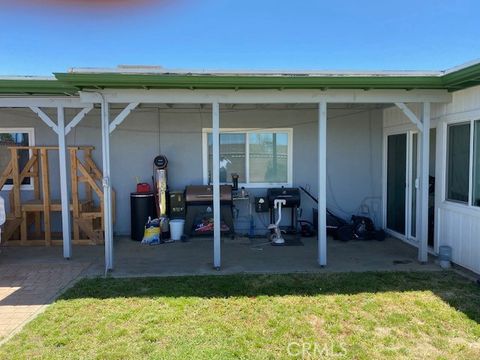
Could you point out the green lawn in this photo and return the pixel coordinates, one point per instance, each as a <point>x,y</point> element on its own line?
<point>353,316</point>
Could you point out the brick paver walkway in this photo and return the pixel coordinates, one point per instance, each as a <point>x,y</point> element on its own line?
<point>25,290</point>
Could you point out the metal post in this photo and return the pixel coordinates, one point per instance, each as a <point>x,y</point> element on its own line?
<point>107,194</point>
<point>62,156</point>
<point>422,225</point>
<point>216,185</point>
<point>322,183</point>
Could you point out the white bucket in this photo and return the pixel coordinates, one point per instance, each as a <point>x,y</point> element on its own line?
<point>176,229</point>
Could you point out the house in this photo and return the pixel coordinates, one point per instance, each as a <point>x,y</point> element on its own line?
<point>363,142</point>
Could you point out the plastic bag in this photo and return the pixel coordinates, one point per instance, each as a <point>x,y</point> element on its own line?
<point>151,234</point>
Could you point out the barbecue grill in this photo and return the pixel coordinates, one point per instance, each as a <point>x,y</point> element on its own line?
<point>292,198</point>
<point>199,207</point>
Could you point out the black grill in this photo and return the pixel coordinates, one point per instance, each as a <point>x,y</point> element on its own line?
<point>199,206</point>
<point>292,198</point>
<point>291,195</point>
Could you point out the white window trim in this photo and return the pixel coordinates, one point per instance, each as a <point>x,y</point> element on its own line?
<point>446,200</point>
<point>247,131</point>
<point>31,142</point>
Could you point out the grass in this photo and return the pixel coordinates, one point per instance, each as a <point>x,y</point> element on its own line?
<point>351,316</point>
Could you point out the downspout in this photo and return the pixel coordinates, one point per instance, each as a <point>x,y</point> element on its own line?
<point>107,194</point>
<point>107,197</point>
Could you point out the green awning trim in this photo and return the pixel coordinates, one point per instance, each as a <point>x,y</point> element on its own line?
<point>175,81</point>
<point>36,87</point>
<point>72,82</point>
<point>463,78</point>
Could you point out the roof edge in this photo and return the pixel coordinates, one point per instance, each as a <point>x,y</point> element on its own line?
<point>133,76</point>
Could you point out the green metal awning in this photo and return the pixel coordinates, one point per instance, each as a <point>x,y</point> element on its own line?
<point>135,78</point>
<point>33,86</point>
<point>463,77</point>
<point>213,81</point>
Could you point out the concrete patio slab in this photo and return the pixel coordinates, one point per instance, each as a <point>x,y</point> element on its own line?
<point>30,279</point>
<point>244,255</point>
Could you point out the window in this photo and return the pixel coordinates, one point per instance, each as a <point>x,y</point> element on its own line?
<point>15,137</point>
<point>463,163</point>
<point>268,155</point>
<point>232,156</point>
<point>259,157</point>
<point>458,162</point>
<point>476,166</point>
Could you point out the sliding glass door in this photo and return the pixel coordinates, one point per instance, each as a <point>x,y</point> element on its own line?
<point>413,176</point>
<point>396,182</point>
<point>402,181</point>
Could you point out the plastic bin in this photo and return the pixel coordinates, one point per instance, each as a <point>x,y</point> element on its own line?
<point>445,256</point>
<point>176,229</point>
<point>142,206</point>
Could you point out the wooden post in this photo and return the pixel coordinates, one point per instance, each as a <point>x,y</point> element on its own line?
<point>16,183</point>
<point>36,192</point>
<point>46,196</point>
<point>11,202</point>
<point>88,159</point>
<point>75,199</point>
<point>23,228</point>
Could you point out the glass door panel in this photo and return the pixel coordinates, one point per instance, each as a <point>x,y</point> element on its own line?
<point>396,182</point>
<point>413,182</point>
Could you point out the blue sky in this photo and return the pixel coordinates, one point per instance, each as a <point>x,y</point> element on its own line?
<point>247,34</point>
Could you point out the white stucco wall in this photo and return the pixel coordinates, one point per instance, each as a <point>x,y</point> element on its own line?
<point>353,160</point>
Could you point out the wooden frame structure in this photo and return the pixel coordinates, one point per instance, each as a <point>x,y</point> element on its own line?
<point>87,213</point>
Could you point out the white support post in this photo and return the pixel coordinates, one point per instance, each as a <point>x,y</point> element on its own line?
<point>61,129</point>
<point>422,224</point>
<point>62,156</point>
<point>322,183</point>
<point>107,194</point>
<point>441,160</point>
<point>216,185</point>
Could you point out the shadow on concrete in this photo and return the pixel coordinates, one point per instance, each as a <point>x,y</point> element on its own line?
<point>35,275</point>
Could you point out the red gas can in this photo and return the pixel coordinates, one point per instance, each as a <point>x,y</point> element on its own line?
<point>143,187</point>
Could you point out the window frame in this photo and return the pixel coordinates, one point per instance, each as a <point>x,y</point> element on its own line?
<point>31,142</point>
<point>469,176</point>
<point>247,132</point>
<point>473,125</point>
<point>469,204</point>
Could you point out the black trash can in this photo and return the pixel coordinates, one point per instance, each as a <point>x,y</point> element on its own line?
<point>142,205</point>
